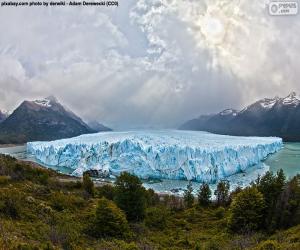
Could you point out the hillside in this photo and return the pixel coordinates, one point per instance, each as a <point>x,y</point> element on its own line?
<point>39,209</point>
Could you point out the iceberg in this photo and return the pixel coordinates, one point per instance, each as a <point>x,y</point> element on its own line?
<point>164,154</point>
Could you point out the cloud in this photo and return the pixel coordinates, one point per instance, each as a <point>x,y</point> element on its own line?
<point>148,63</point>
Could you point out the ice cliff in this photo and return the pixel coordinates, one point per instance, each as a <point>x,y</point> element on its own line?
<point>188,155</point>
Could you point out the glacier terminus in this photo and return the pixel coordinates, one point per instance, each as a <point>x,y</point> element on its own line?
<point>163,154</point>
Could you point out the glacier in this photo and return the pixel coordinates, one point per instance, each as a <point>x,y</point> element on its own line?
<point>163,154</point>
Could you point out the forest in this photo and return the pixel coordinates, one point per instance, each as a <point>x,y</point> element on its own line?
<point>41,209</point>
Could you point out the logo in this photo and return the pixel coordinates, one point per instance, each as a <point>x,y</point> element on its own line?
<point>283,8</point>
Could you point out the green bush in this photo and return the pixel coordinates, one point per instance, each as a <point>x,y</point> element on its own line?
<point>130,196</point>
<point>213,245</point>
<point>268,245</point>
<point>204,195</point>
<point>107,191</point>
<point>4,179</point>
<point>222,193</point>
<point>10,204</point>
<point>220,212</point>
<point>156,218</point>
<point>247,210</point>
<point>60,201</point>
<point>188,196</point>
<point>88,185</point>
<point>18,171</point>
<point>152,198</point>
<point>108,221</point>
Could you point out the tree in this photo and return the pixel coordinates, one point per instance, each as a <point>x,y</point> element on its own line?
<point>130,196</point>
<point>287,211</point>
<point>88,184</point>
<point>188,195</point>
<point>247,210</point>
<point>271,186</point>
<point>204,195</point>
<point>222,193</point>
<point>109,221</point>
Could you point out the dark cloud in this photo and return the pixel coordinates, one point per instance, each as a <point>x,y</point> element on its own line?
<point>148,63</point>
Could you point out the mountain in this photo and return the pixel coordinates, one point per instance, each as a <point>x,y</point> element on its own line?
<point>98,126</point>
<point>3,115</point>
<point>41,120</point>
<point>267,117</point>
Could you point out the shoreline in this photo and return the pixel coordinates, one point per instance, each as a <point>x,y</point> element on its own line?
<point>11,145</point>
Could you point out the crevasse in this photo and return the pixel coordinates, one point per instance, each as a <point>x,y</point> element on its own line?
<point>165,154</point>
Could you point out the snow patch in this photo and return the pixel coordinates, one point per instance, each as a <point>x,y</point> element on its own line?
<point>268,103</point>
<point>229,112</point>
<point>291,99</point>
<point>43,102</point>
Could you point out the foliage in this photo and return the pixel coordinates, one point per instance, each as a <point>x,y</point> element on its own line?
<point>10,204</point>
<point>130,196</point>
<point>287,210</point>
<point>107,191</point>
<point>60,201</point>
<point>53,214</point>
<point>109,221</point>
<point>271,186</point>
<point>204,195</point>
<point>222,193</point>
<point>88,185</point>
<point>156,218</point>
<point>188,196</point>
<point>220,212</point>
<point>247,210</point>
<point>16,171</point>
<point>268,245</point>
<point>152,198</point>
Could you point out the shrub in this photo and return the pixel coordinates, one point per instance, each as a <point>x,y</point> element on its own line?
<point>107,191</point>
<point>247,210</point>
<point>88,185</point>
<point>188,196</point>
<point>60,201</point>
<point>130,196</point>
<point>152,198</point>
<point>4,179</point>
<point>156,218</point>
<point>268,245</point>
<point>222,193</point>
<point>287,211</point>
<point>220,212</point>
<point>271,186</point>
<point>10,204</point>
<point>109,221</point>
<point>213,245</point>
<point>204,195</point>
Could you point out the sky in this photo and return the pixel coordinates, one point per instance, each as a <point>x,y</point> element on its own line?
<point>148,63</point>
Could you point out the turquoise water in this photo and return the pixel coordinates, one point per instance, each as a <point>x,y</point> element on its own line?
<point>288,159</point>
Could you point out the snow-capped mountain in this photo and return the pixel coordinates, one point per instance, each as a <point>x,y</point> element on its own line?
<point>44,119</point>
<point>267,117</point>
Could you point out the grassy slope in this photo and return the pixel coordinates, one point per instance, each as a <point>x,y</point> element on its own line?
<point>54,215</point>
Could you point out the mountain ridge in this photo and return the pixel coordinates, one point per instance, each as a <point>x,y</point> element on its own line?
<point>266,117</point>
<point>40,120</point>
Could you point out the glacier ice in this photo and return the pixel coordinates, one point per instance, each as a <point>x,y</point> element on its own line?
<point>164,154</point>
